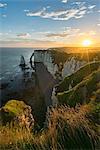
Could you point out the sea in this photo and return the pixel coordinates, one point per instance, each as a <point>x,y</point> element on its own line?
<point>10,60</point>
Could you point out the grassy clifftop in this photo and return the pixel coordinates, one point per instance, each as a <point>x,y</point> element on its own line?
<point>82,92</point>
<point>78,76</point>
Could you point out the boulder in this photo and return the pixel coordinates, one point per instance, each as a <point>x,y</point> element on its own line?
<point>17,112</point>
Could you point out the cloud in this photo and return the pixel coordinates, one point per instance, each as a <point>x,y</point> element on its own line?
<point>67,32</point>
<point>4,15</point>
<point>92,6</point>
<point>26,10</point>
<point>89,33</point>
<point>24,35</point>
<point>78,3</point>
<point>48,6</point>
<point>64,14</point>
<point>2,5</point>
<point>1,34</point>
<point>34,43</point>
<point>64,1</point>
<point>57,35</point>
<point>70,32</point>
<point>92,32</point>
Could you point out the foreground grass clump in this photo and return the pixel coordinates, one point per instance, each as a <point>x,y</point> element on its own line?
<point>71,129</point>
<point>82,92</point>
<point>67,129</point>
<point>78,76</point>
<point>13,135</point>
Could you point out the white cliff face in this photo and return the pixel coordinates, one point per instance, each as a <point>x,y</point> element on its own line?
<point>71,65</point>
<point>46,58</point>
<point>55,69</point>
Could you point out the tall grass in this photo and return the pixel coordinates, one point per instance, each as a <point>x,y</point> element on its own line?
<point>68,129</point>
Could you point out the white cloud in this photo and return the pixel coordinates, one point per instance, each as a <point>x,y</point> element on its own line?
<point>62,35</point>
<point>48,6</point>
<point>1,33</point>
<point>64,1</point>
<point>10,31</point>
<point>67,32</point>
<point>92,6</point>
<point>3,5</point>
<point>26,10</point>
<point>89,33</point>
<point>64,14</point>
<point>24,35</point>
<point>92,32</point>
<point>4,35</point>
<point>77,3</point>
<point>4,15</point>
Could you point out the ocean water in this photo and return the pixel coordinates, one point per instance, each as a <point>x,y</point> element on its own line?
<point>10,60</point>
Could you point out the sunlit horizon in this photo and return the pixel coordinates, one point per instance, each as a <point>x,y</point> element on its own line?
<point>56,23</point>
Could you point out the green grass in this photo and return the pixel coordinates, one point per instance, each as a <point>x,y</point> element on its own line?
<point>82,92</point>
<point>78,76</point>
<point>16,107</point>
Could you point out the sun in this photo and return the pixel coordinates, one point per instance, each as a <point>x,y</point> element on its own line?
<point>87,43</point>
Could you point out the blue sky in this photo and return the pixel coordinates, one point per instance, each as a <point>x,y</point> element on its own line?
<point>40,23</point>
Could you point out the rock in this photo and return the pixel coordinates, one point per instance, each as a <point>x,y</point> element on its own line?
<point>17,112</point>
<point>71,65</point>
<point>26,119</point>
<point>54,98</point>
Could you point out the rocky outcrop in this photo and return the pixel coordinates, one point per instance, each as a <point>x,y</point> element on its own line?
<point>54,98</point>
<point>26,119</point>
<point>17,112</point>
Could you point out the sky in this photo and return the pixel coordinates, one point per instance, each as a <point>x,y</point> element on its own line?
<point>49,23</point>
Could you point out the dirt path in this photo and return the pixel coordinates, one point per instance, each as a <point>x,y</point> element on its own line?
<point>46,82</point>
